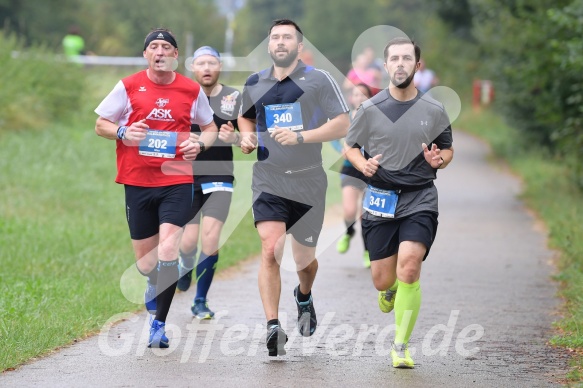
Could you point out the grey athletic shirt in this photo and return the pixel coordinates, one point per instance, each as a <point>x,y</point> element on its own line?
<point>396,130</point>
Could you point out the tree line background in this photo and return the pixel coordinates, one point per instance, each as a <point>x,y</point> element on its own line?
<point>531,49</point>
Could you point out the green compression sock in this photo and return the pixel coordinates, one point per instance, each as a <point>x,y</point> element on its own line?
<point>395,286</point>
<point>407,305</point>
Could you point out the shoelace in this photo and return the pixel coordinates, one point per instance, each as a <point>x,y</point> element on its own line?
<point>204,304</point>
<point>400,348</point>
<point>389,295</point>
<point>305,306</point>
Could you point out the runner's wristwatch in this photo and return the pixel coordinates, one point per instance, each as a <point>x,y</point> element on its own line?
<point>202,147</point>
<point>300,138</point>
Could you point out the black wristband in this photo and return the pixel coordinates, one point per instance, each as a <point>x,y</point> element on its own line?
<point>202,147</point>
<point>300,138</point>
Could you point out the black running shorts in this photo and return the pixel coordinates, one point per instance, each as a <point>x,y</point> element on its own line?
<point>383,237</point>
<point>302,221</point>
<point>296,198</point>
<point>215,204</point>
<point>149,207</point>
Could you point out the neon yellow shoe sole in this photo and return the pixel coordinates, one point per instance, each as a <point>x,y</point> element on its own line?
<point>387,300</point>
<point>366,260</point>
<point>401,357</point>
<point>343,244</point>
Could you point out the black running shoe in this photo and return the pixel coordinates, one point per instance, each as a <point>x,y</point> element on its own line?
<point>184,278</point>
<point>307,321</point>
<point>276,339</point>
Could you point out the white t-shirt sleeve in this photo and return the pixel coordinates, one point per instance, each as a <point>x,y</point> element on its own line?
<point>116,106</point>
<point>201,112</point>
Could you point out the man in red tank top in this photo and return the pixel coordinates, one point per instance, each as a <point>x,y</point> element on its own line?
<point>149,115</point>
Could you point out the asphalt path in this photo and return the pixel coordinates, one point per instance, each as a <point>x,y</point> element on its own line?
<point>487,312</point>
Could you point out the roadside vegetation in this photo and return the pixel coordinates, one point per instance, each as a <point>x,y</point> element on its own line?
<point>551,190</point>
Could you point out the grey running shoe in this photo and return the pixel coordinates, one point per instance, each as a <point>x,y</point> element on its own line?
<point>184,277</point>
<point>200,309</point>
<point>276,339</point>
<point>307,321</point>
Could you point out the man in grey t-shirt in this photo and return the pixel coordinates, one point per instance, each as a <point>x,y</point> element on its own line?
<point>400,213</point>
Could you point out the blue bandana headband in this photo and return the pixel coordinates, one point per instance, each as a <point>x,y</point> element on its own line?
<point>206,50</point>
<point>159,35</point>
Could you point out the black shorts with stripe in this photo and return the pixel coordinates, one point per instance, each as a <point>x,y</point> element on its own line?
<point>298,199</point>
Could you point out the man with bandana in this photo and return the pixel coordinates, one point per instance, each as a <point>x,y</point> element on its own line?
<point>406,137</point>
<point>213,182</point>
<point>287,111</point>
<point>149,115</point>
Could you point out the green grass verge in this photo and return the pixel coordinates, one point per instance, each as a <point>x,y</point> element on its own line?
<point>64,238</point>
<point>548,189</point>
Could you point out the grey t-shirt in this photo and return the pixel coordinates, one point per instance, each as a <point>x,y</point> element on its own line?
<point>396,130</point>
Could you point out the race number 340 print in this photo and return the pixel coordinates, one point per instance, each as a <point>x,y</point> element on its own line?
<point>284,116</point>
